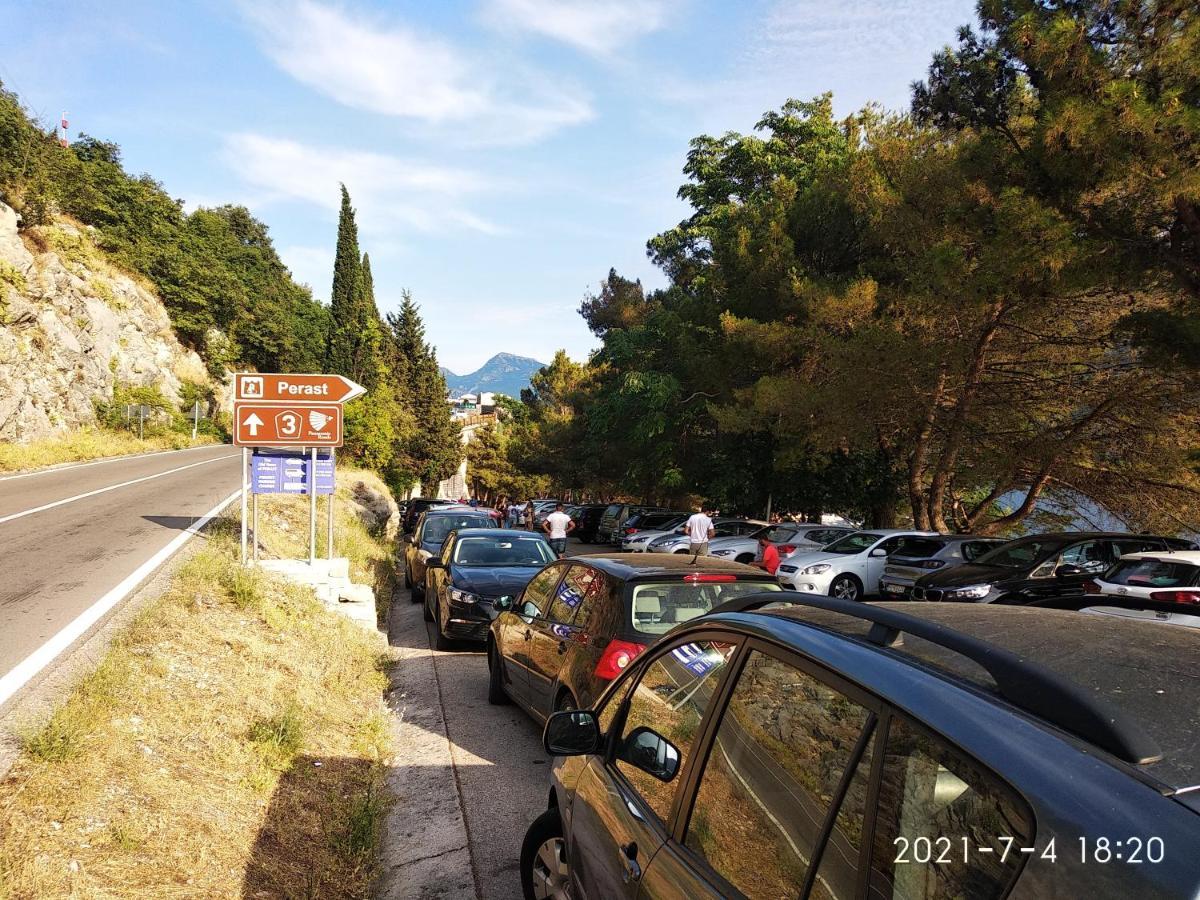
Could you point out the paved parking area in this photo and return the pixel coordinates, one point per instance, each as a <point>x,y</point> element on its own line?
<point>490,762</point>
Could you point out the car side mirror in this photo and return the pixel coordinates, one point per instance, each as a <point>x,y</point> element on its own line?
<point>434,562</point>
<point>574,732</point>
<point>878,551</point>
<point>646,749</point>
<point>1067,569</point>
<point>500,604</point>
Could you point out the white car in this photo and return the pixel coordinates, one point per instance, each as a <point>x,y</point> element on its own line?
<point>848,568</point>
<point>640,540</point>
<point>788,537</point>
<point>678,542</point>
<point>1170,575</point>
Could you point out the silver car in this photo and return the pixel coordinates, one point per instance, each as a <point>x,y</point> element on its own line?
<point>917,556</point>
<point>786,536</point>
<point>724,528</point>
<point>639,541</point>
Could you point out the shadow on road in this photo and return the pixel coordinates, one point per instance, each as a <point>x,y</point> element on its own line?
<point>176,523</point>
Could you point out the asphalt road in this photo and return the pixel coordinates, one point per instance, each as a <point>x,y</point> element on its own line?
<point>502,772</point>
<point>71,535</point>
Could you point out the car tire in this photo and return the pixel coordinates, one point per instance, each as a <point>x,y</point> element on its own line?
<point>440,641</point>
<point>497,695</point>
<point>418,593</point>
<point>426,612</point>
<point>745,559</point>
<point>846,587</point>
<point>565,702</point>
<point>407,578</point>
<point>544,871</point>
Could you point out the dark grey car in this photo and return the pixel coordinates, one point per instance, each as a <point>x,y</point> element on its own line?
<point>851,750</point>
<point>917,556</point>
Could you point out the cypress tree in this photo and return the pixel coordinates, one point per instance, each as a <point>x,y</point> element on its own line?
<point>346,294</point>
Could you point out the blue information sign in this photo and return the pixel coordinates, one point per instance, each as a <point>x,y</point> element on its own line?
<point>284,472</point>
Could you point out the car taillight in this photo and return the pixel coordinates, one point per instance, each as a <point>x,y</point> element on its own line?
<point>705,578</point>
<point>786,549</point>
<point>1091,586</point>
<point>931,564</point>
<point>1176,596</point>
<point>616,658</point>
<point>631,530</point>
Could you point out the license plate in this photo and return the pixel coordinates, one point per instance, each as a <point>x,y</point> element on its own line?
<point>894,588</point>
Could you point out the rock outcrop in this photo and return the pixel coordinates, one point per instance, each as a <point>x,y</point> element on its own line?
<point>71,328</point>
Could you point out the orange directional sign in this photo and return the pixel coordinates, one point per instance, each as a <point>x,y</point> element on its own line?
<point>272,387</point>
<point>287,424</point>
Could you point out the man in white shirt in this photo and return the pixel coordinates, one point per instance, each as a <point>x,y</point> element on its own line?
<point>558,525</point>
<point>700,531</point>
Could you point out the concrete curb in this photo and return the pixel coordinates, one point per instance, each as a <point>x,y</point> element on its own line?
<point>425,852</point>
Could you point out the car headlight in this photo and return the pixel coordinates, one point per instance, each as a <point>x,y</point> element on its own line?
<point>723,553</point>
<point>423,555</point>
<point>464,596</point>
<point>974,592</point>
<point>818,569</point>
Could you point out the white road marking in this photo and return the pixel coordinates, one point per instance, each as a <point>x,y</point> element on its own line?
<point>18,677</point>
<point>111,487</point>
<point>96,462</point>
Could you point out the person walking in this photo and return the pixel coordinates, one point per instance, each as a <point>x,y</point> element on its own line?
<point>529,515</point>
<point>514,513</point>
<point>700,531</point>
<point>557,526</point>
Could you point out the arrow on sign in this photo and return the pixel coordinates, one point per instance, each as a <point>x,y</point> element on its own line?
<point>253,422</point>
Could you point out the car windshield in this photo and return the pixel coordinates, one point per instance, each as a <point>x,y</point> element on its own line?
<point>776,534</point>
<point>438,527</point>
<point>657,607</point>
<point>659,521</point>
<point>483,550</point>
<point>1152,573</point>
<point>853,543</point>
<point>1021,554</point>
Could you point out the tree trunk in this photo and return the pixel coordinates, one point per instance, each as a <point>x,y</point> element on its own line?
<point>956,433</point>
<point>920,456</point>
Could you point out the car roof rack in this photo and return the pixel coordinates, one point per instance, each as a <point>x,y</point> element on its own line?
<point>1025,684</point>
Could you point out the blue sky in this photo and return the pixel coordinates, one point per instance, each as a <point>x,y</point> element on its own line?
<point>503,154</point>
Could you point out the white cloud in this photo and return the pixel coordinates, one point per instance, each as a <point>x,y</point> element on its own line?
<point>599,27</point>
<point>388,191</point>
<point>387,68</point>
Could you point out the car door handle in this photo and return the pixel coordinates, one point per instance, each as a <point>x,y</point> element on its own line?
<point>528,635</point>
<point>633,871</point>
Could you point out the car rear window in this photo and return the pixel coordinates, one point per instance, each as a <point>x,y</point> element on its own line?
<point>438,527</point>
<point>657,607</point>
<point>1152,573</point>
<point>613,510</point>
<point>918,548</point>
<point>1019,554</point>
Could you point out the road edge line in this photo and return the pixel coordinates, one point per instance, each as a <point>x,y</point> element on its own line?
<point>84,463</point>
<point>12,517</point>
<point>21,674</point>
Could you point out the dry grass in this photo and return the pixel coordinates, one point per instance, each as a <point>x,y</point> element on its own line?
<point>79,446</point>
<point>230,744</point>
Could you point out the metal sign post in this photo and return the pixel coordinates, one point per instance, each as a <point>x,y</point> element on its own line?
<point>312,508</point>
<point>195,419</point>
<point>245,491</point>
<point>329,510</point>
<point>254,528</point>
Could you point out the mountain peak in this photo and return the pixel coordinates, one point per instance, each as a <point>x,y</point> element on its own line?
<point>504,373</point>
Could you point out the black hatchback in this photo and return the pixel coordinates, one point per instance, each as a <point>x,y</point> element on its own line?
<point>1033,568</point>
<point>835,749</point>
<point>581,621</point>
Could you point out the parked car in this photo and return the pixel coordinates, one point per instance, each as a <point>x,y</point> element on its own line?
<point>615,514</point>
<point>678,542</point>
<point>787,537</point>
<point>849,568</point>
<point>816,751</point>
<point>636,530</point>
<point>921,555</point>
<point>418,505</point>
<point>478,566</point>
<point>581,621</point>
<point>639,541</point>
<point>426,540</point>
<point>1184,611</point>
<point>587,521</point>
<point>1035,567</point>
<point>1170,576</point>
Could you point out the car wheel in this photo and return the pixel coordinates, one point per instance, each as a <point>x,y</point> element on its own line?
<point>544,870</point>
<point>846,587</point>
<point>425,610</point>
<point>418,592</point>
<point>440,641</point>
<point>565,702</point>
<point>745,558</point>
<point>497,696</point>
<point>407,578</point>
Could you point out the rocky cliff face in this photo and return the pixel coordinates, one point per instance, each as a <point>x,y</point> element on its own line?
<point>71,328</point>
